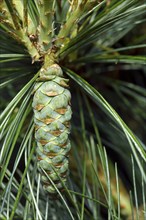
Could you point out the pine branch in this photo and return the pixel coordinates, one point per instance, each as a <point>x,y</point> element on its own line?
<point>45,31</point>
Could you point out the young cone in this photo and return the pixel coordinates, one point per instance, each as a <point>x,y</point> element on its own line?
<point>52,114</point>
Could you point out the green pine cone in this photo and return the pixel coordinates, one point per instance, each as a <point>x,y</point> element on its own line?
<point>52,114</point>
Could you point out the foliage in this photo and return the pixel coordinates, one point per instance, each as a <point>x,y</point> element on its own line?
<point>98,47</point>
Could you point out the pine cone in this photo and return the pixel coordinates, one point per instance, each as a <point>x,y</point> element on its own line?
<point>52,114</point>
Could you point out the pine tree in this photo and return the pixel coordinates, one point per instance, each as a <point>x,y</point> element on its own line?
<point>80,56</point>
